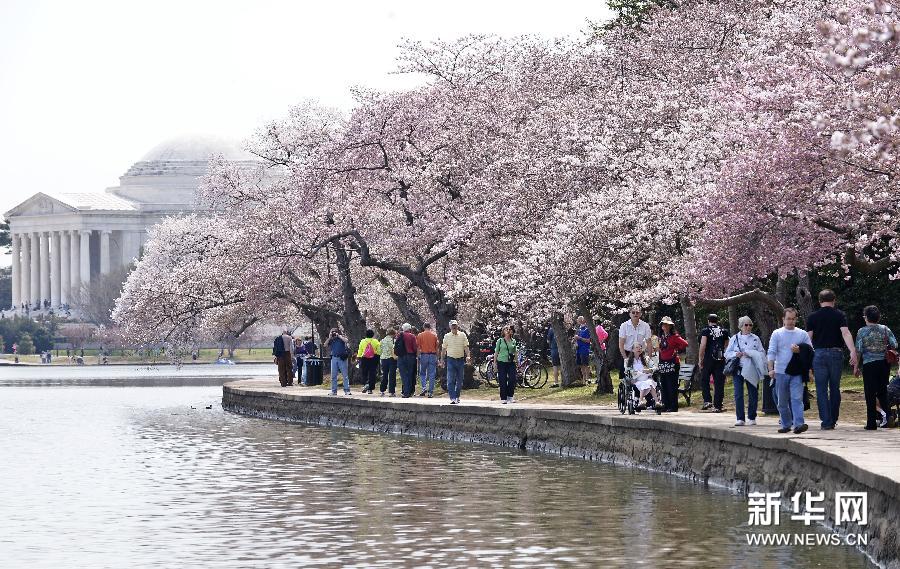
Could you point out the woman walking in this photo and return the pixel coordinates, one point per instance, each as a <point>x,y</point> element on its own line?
<point>388,363</point>
<point>750,371</point>
<point>872,343</point>
<point>670,343</point>
<point>505,361</point>
<point>368,355</point>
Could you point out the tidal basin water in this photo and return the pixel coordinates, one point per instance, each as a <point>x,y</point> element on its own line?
<point>148,477</point>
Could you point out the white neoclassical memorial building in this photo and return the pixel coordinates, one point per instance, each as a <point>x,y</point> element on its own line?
<point>62,240</point>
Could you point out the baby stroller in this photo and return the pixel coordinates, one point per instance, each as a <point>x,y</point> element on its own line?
<point>629,398</point>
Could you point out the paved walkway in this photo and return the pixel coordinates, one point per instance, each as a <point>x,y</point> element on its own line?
<point>871,452</point>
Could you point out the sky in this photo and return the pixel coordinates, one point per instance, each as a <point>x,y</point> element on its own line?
<point>88,87</point>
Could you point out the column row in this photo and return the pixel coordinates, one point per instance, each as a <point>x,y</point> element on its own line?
<point>49,267</point>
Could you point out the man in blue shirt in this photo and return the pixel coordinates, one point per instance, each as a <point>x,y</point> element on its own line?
<point>784,343</point>
<point>583,349</point>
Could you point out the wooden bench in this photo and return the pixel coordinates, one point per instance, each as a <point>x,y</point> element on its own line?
<point>687,374</point>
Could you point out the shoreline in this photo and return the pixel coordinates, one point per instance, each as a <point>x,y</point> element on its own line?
<point>697,447</point>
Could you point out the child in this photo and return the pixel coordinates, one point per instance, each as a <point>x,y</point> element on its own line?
<point>642,375</point>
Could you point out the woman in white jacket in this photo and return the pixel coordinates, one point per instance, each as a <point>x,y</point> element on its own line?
<point>752,369</point>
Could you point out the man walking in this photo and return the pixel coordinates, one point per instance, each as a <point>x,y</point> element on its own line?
<point>405,348</point>
<point>827,328</point>
<point>455,352</point>
<point>633,331</point>
<point>283,352</point>
<point>428,350</point>
<point>340,352</point>
<point>784,343</point>
<point>713,341</point>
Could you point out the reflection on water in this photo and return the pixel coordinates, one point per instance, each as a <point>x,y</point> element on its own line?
<point>114,477</point>
<point>131,374</point>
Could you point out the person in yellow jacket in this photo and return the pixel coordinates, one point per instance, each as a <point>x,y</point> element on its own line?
<point>369,354</point>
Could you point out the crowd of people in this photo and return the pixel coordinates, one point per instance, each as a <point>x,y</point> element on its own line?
<point>650,362</point>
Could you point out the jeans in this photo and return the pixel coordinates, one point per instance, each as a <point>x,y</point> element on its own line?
<point>339,365</point>
<point>389,375</point>
<point>875,381</point>
<point>455,369</point>
<point>716,368</point>
<point>790,399</point>
<point>827,367</point>
<point>427,370</point>
<point>407,367</point>
<point>752,395</point>
<point>506,377</point>
<point>369,371</point>
<point>301,369</point>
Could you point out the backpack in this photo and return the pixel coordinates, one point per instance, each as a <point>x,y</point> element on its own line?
<point>400,345</point>
<point>369,351</point>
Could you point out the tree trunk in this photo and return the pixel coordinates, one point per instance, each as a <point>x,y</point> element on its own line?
<point>690,330</point>
<point>401,301</point>
<point>805,304</point>
<point>566,357</point>
<point>353,320</point>
<point>733,319</point>
<point>765,321</point>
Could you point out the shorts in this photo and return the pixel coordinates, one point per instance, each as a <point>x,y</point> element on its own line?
<point>582,359</point>
<point>554,359</point>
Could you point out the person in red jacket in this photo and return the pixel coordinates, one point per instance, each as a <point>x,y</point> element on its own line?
<point>670,343</point>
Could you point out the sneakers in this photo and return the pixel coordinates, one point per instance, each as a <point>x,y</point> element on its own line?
<point>423,394</point>
<point>718,409</point>
<point>334,392</point>
<point>430,395</point>
<point>706,406</point>
<point>457,400</point>
<point>801,429</point>
<point>504,401</point>
<point>453,402</point>
<point>554,386</point>
<point>739,423</point>
<point>392,395</point>
<point>510,399</point>
<point>346,393</point>
<point>783,430</point>
<point>381,393</point>
<point>751,423</point>
<point>884,419</point>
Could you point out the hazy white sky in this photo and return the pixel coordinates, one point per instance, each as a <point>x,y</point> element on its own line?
<point>88,87</point>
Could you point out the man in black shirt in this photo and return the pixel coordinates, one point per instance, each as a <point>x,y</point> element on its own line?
<point>713,341</point>
<point>828,330</point>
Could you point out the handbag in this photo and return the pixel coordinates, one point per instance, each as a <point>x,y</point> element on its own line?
<point>733,365</point>
<point>890,355</point>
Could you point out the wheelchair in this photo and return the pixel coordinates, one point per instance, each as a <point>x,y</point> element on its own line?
<point>629,399</point>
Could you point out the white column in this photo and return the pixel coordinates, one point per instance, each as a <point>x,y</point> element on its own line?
<point>104,251</point>
<point>74,267</point>
<point>45,267</point>
<point>26,269</point>
<point>65,277</point>
<point>35,272</point>
<point>85,256</point>
<point>16,272</point>
<point>54,269</point>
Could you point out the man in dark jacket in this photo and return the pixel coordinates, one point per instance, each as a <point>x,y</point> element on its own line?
<point>283,355</point>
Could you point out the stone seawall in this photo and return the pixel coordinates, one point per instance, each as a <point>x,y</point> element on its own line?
<point>740,460</point>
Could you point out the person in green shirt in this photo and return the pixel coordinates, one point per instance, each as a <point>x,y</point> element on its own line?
<point>505,361</point>
<point>389,363</point>
<point>368,355</point>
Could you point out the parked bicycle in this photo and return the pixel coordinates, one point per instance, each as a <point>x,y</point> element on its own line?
<point>530,372</point>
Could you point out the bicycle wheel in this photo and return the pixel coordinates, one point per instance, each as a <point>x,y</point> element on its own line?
<point>530,375</point>
<point>541,375</point>
<point>489,375</point>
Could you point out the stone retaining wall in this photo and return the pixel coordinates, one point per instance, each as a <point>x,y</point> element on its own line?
<point>740,461</point>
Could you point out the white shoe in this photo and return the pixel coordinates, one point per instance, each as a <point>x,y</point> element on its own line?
<point>511,400</point>
<point>504,401</point>
<point>738,423</point>
<point>751,422</point>
<point>884,419</point>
